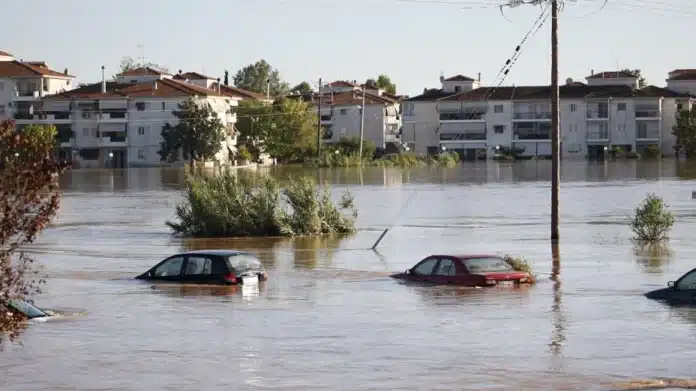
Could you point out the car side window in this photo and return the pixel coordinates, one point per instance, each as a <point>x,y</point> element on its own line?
<point>171,267</point>
<point>425,268</point>
<point>688,282</point>
<point>196,265</point>
<point>445,268</point>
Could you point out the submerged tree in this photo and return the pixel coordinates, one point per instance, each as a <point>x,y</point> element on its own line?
<point>29,199</point>
<point>198,134</point>
<point>651,220</point>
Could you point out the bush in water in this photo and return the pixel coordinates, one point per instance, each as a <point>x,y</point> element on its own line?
<point>520,264</point>
<point>249,203</point>
<point>651,221</point>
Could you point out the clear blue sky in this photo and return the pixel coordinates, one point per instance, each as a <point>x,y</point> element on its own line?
<point>352,39</point>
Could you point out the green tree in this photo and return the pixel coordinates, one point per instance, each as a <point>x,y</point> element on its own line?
<point>651,220</point>
<point>685,133</point>
<point>29,199</point>
<point>198,134</point>
<point>46,134</point>
<point>637,73</point>
<point>259,77</point>
<point>284,130</point>
<point>129,63</point>
<point>302,88</point>
<point>382,82</point>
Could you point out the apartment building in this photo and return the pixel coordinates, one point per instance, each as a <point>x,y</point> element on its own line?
<point>340,104</point>
<point>118,123</point>
<point>24,83</point>
<point>607,111</point>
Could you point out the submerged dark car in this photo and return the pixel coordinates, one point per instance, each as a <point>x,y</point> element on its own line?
<point>218,267</point>
<point>465,270</point>
<point>25,309</point>
<point>682,291</point>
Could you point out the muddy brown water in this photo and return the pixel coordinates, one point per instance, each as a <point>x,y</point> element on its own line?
<point>331,319</point>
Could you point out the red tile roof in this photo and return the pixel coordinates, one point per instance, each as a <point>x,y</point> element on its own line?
<point>5,54</point>
<point>566,91</point>
<point>165,88</point>
<point>149,71</point>
<point>613,75</point>
<point>459,78</point>
<point>683,74</point>
<point>25,69</point>
<point>342,83</point>
<point>345,98</point>
<point>237,92</point>
<point>192,76</point>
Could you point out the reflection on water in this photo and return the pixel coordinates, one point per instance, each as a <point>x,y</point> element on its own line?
<point>329,312</point>
<point>653,256</point>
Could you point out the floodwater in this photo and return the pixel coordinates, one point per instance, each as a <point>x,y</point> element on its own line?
<point>331,319</point>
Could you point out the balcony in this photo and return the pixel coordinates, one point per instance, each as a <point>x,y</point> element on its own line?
<point>463,136</point>
<point>464,116</point>
<point>69,143</point>
<point>26,95</point>
<point>597,114</point>
<point>325,118</point>
<point>113,139</point>
<point>648,134</point>
<point>24,116</point>
<point>648,113</point>
<point>532,116</point>
<point>392,119</point>
<point>113,118</point>
<point>392,133</point>
<point>597,135</point>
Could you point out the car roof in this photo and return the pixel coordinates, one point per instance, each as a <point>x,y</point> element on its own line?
<point>463,257</point>
<point>221,253</point>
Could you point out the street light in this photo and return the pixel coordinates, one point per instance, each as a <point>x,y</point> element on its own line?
<point>111,154</point>
<point>16,154</point>
<point>443,148</point>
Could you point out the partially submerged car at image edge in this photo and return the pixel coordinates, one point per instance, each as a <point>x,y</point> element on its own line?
<point>681,291</point>
<point>465,270</point>
<point>24,309</point>
<point>216,267</point>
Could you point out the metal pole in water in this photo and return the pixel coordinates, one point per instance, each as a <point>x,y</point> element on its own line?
<point>555,133</point>
<point>374,246</point>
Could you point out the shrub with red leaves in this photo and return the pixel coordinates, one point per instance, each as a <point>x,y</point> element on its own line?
<point>29,199</point>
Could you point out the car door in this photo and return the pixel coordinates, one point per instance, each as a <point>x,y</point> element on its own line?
<point>684,290</point>
<point>199,270</point>
<point>444,272</point>
<point>169,270</point>
<point>423,271</point>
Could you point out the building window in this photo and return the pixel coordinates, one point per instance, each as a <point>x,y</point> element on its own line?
<point>2,86</point>
<point>164,106</point>
<point>621,107</point>
<point>141,154</point>
<point>457,89</point>
<point>343,111</point>
<point>498,108</point>
<point>141,130</point>
<point>573,107</point>
<point>499,129</point>
<point>140,106</point>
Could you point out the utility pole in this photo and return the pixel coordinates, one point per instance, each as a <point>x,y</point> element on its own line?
<point>319,122</point>
<point>555,122</point>
<point>362,124</point>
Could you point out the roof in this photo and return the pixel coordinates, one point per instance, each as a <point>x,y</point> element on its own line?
<point>237,92</point>
<point>26,69</point>
<point>566,92</point>
<point>463,257</point>
<point>165,88</point>
<point>143,71</point>
<point>459,78</point>
<point>430,95</point>
<point>613,75</point>
<point>5,54</point>
<point>682,74</point>
<point>342,83</point>
<point>353,98</point>
<point>192,76</point>
<point>221,253</point>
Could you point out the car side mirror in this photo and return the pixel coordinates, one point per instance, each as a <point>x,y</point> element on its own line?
<point>407,272</point>
<point>671,284</point>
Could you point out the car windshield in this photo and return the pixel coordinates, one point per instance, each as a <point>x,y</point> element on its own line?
<point>27,309</point>
<point>242,262</point>
<point>487,264</point>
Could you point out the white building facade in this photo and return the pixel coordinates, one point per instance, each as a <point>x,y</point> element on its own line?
<point>607,112</point>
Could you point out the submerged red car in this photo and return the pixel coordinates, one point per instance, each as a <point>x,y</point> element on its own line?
<point>465,270</point>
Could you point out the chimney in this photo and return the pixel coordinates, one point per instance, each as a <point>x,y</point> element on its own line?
<point>442,79</point>
<point>479,77</point>
<point>591,72</point>
<point>65,72</point>
<point>180,71</point>
<point>103,81</point>
<point>218,85</point>
<point>154,85</point>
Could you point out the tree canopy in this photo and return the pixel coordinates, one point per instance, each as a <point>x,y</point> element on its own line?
<point>302,88</point>
<point>685,133</point>
<point>284,130</point>
<point>258,77</point>
<point>29,199</point>
<point>129,63</point>
<point>638,74</point>
<point>198,134</point>
<point>382,82</point>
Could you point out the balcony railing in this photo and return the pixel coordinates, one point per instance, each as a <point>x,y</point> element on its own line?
<point>647,134</point>
<point>542,135</point>
<point>114,116</point>
<point>472,116</point>
<point>647,113</point>
<point>27,93</point>
<point>544,115</point>
<point>597,135</point>
<point>326,117</point>
<point>463,136</point>
<point>23,116</point>
<point>598,114</point>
